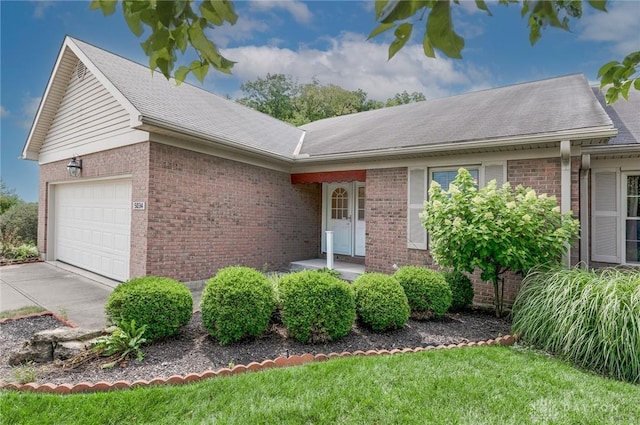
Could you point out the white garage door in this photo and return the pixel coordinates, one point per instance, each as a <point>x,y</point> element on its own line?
<point>93,226</point>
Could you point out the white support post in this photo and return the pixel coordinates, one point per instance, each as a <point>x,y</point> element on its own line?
<point>565,188</point>
<point>329,249</point>
<point>585,166</point>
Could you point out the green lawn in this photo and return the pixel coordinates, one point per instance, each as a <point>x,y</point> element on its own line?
<point>483,385</point>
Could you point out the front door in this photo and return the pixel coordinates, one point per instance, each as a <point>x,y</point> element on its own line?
<point>344,209</point>
<point>340,216</point>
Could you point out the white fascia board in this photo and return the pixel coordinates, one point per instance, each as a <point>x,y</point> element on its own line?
<point>611,149</point>
<point>134,114</point>
<point>594,133</point>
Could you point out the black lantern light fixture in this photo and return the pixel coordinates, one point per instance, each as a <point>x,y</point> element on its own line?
<point>74,167</point>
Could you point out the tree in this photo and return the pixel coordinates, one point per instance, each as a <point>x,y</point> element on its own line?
<point>175,26</point>
<point>8,197</point>
<point>404,98</point>
<point>283,98</point>
<point>495,229</point>
<point>272,95</point>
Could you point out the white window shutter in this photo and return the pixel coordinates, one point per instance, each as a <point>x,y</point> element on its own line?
<point>416,233</point>
<point>605,208</point>
<point>495,171</point>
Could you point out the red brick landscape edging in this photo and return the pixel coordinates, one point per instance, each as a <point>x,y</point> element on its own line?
<point>295,360</point>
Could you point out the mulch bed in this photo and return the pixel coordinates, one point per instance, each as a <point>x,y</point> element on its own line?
<point>194,351</point>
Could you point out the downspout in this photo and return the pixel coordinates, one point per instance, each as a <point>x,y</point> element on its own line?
<point>565,188</point>
<point>585,169</point>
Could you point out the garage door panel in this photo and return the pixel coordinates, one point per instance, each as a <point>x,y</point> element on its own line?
<point>93,226</point>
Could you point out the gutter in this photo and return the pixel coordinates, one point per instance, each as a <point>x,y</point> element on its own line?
<point>612,149</point>
<point>595,133</point>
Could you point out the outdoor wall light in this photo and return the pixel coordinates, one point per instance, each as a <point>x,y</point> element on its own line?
<point>74,167</point>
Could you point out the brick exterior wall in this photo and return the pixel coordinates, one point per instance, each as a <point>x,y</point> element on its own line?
<point>129,160</point>
<point>386,212</point>
<point>203,212</point>
<point>206,213</point>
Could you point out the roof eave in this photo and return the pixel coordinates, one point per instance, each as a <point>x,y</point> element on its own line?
<point>150,124</point>
<point>603,132</point>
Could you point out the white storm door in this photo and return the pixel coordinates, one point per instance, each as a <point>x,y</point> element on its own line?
<point>339,216</point>
<point>93,226</point>
<point>360,227</point>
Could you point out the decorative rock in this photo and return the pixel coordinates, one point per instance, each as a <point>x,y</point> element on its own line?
<point>66,334</point>
<point>40,353</point>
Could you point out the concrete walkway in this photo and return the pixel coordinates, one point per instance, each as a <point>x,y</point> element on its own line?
<point>73,293</point>
<point>80,298</point>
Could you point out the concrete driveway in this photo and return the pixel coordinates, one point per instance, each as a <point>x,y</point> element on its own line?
<point>79,297</point>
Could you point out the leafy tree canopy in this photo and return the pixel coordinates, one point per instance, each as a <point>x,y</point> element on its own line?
<point>283,98</point>
<point>176,25</point>
<point>8,197</point>
<point>495,229</point>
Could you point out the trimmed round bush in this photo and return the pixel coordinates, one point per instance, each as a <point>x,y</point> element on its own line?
<point>163,304</point>
<point>381,302</point>
<point>237,303</point>
<point>427,290</point>
<point>461,289</point>
<point>316,306</point>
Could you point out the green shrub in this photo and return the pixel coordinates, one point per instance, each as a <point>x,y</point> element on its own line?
<point>461,289</point>
<point>427,290</point>
<point>591,318</point>
<point>237,303</point>
<point>316,306</point>
<point>22,220</point>
<point>380,302</point>
<point>162,304</point>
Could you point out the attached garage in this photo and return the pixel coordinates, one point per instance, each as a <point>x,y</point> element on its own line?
<point>91,226</point>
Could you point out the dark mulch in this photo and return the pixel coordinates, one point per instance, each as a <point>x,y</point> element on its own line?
<point>193,350</point>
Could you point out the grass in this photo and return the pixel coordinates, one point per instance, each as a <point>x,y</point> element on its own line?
<point>22,311</point>
<point>591,318</point>
<point>483,385</point>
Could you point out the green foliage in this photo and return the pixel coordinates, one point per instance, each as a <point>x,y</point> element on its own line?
<point>8,197</point>
<point>125,341</point>
<point>175,26</point>
<point>620,76</point>
<point>237,303</point>
<point>405,98</point>
<point>380,302</point>
<point>21,220</point>
<point>24,373</point>
<point>427,290</point>
<point>161,304</point>
<point>316,306</point>
<point>495,230</point>
<point>272,95</point>
<point>591,318</point>
<point>461,289</point>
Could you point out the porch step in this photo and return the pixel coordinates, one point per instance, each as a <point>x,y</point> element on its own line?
<point>348,271</point>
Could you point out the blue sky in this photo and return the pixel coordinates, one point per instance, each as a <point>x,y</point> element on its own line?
<point>322,39</point>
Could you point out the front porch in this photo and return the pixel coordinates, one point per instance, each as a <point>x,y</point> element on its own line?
<point>349,271</point>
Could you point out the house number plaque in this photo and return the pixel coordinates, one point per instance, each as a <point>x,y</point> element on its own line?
<point>138,205</point>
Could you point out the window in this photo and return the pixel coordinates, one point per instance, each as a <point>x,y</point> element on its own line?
<point>361,203</point>
<point>444,178</point>
<point>421,177</point>
<point>339,204</point>
<point>632,220</point>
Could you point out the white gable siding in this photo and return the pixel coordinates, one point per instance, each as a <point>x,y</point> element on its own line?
<point>89,119</point>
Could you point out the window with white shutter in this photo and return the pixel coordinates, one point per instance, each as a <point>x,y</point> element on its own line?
<point>416,234</point>
<point>605,216</point>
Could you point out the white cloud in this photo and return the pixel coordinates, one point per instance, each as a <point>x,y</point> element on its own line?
<point>28,111</point>
<point>3,112</point>
<point>618,26</point>
<point>41,7</point>
<point>244,29</point>
<point>352,63</point>
<point>298,10</point>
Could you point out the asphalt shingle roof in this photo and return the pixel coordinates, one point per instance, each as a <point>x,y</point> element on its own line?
<point>625,115</point>
<point>557,104</point>
<point>191,108</point>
